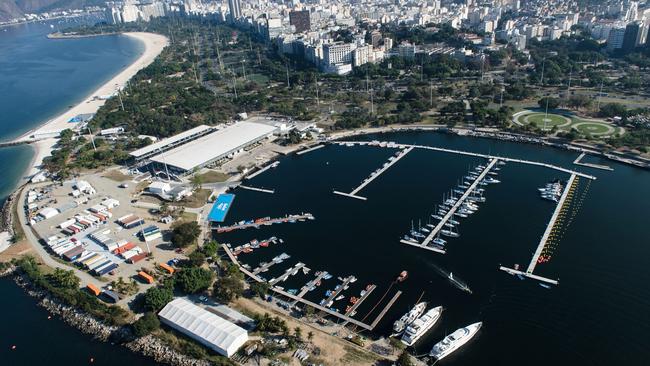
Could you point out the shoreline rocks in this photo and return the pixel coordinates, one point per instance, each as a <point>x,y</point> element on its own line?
<point>149,345</point>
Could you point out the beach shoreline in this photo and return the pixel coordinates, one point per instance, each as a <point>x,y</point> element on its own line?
<point>41,138</point>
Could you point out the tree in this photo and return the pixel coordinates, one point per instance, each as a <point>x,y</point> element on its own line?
<point>197,181</point>
<point>228,288</point>
<point>64,279</point>
<point>310,336</point>
<point>613,110</point>
<point>146,324</point>
<point>195,279</point>
<point>157,297</point>
<point>185,234</point>
<point>404,359</point>
<point>197,258</point>
<point>297,331</point>
<point>210,248</point>
<point>553,103</point>
<point>260,288</point>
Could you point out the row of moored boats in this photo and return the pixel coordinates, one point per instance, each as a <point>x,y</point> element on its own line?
<point>551,191</point>
<point>418,321</point>
<point>467,207</point>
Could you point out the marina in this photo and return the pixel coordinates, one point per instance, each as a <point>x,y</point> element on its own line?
<point>263,221</point>
<point>391,161</point>
<point>298,298</point>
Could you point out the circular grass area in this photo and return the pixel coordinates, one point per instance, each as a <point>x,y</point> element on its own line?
<point>541,120</point>
<point>589,128</point>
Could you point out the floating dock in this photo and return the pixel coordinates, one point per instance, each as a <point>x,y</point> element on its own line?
<point>255,174</point>
<point>544,239</point>
<point>385,310</point>
<point>335,293</point>
<point>265,221</point>
<point>305,289</point>
<point>288,273</point>
<point>391,161</point>
<point>310,149</point>
<point>467,153</point>
<point>578,161</point>
<point>271,191</point>
<point>354,306</point>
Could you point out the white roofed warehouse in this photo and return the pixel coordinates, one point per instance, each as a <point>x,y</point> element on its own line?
<point>203,326</point>
<point>212,147</point>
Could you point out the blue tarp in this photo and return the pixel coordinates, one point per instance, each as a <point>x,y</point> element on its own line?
<point>220,208</point>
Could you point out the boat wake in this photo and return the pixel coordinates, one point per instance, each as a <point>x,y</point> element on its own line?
<point>454,280</point>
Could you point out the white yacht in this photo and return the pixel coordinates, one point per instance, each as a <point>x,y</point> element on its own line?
<point>454,341</point>
<point>421,325</point>
<point>408,318</point>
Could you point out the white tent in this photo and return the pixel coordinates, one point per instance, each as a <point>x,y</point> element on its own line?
<point>203,326</point>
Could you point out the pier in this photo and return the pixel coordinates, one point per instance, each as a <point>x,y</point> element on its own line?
<point>436,230</point>
<point>542,243</point>
<point>271,191</point>
<point>354,306</point>
<point>391,161</point>
<point>310,149</point>
<point>578,161</point>
<point>288,273</point>
<point>305,289</point>
<point>385,310</point>
<point>335,293</point>
<point>264,267</point>
<point>467,153</point>
<point>346,318</point>
<point>265,221</point>
<point>255,174</point>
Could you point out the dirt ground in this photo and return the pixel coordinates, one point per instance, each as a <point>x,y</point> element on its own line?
<point>333,351</point>
<point>16,250</point>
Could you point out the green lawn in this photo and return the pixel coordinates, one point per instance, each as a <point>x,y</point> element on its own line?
<point>541,120</point>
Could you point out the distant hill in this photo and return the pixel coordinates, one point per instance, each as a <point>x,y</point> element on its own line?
<point>10,9</point>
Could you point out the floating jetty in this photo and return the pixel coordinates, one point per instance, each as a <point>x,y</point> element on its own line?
<point>391,161</point>
<point>310,149</point>
<point>337,290</point>
<point>263,221</point>
<point>265,266</point>
<point>271,191</point>
<point>436,230</point>
<point>369,289</point>
<point>255,174</point>
<point>288,273</point>
<point>578,161</point>
<point>346,318</point>
<point>542,243</point>
<point>467,153</point>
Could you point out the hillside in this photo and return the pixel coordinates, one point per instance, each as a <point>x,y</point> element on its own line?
<point>10,9</point>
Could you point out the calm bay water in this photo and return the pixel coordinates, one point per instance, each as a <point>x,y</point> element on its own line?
<point>40,78</point>
<point>600,306</point>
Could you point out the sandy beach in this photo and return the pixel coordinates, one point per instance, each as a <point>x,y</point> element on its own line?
<point>154,44</point>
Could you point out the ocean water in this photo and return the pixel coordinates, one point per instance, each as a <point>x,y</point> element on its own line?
<point>40,78</point>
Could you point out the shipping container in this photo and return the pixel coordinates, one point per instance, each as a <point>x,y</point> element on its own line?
<point>91,260</point>
<point>130,253</point>
<point>111,296</point>
<point>64,248</point>
<point>99,264</point>
<point>66,223</point>
<point>67,232</point>
<point>83,257</point>
<point>137,258</point>
<point>125,218</point>
<point>134,223</point>
<point>124,248</point>
<point>166,267</point>
<point>98,270</point>
<point>145,277</point>
<point>73,253</point>
<point>93,289</point>
<point>107,269</point>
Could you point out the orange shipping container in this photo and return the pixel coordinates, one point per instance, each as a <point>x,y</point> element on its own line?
<point>124,248</point>
<point>93,289</point>
<point>145,277</point>
<point>166,267</point>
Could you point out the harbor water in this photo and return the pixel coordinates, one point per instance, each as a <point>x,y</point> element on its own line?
<point>601,260</point>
